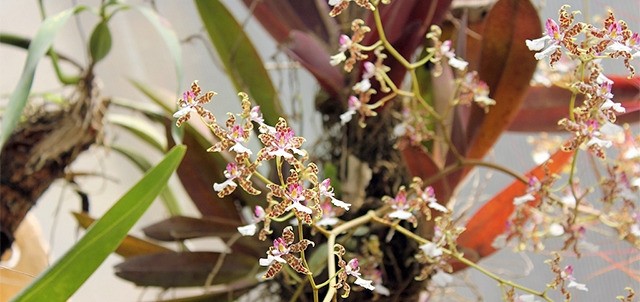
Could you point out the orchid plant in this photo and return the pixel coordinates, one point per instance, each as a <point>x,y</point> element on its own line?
<point>301,205</point>
<point>413,96</point>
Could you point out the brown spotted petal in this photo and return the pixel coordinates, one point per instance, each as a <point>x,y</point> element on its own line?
<point>296,264</point>
<point>274,268</point>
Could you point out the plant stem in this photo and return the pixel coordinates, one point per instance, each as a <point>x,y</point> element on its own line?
<point>331,241</point>
<point>460,257</point>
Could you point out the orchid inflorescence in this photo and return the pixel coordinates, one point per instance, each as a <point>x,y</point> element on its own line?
<point>300,199</point>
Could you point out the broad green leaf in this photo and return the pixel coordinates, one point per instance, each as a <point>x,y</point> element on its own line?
<point>239,57</point>
<point>131,246</point>
<point>37,49</point>
<point>168,198</point>
<point>141,129</point>
<point>169,36</point>
<point>62,279</point>
<point>100,42</point>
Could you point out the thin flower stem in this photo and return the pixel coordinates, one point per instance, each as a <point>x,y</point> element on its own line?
<point>331,241</point>
<point>472,162</point>
<point>574,92</point>
<point>386,43</point>
<point>304,262</point>
<point>370,47</point>
<point>459,257</point>
<point>422,61</point>
<point>572,187</point>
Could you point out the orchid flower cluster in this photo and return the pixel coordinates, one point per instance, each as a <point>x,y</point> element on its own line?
<point>470,88</point>
<point>539,213</point>
<point>300,195</point>
<point>591,121</point>
<point>299,202</point>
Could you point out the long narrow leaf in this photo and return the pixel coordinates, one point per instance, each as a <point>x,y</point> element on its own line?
<point>141,129</point>
<point>507,66</point>
<point>491,219</point>
<point>168,198</point>
<point>240,58</point>
<point>131,246</point>
<point>37,49</point>
<point>61,280</point>
<point>170,38</point>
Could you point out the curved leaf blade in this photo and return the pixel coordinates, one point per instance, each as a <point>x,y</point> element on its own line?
<point>178,228</point>
<point>543,106</point>
<point>138,127</point>
<point>131,246</point>
<point>491,219</point>
<point>170,38</point>
<point>184,269</point>
<point>62,279</point>
<point>166,195</point>
<point>37,49</point>
<point>240,58</point>
<point>507,66</point>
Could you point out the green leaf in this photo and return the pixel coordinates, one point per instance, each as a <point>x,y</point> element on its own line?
<point>240,58</point>
<point>152,111</point>
<point>168,198</point>
<point>37,49</point>
<point>141,129</point>
<point>131,246</point>
<point>154,96</point>
<point>318,260</point>
<point>62,279</point>
<point>170,39</point>
<point>100,42</point>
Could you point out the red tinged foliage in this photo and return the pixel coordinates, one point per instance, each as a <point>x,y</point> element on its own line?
<point>543,106</point>
<point>491,219</point>
<point>506,65</point>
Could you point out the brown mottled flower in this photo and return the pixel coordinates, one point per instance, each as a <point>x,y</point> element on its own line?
<point>352,45</point>
<point>282,142</point>
<point>340,5</point>
<point>351,268</point>
<point>282,252</point>
<point>192,101</point>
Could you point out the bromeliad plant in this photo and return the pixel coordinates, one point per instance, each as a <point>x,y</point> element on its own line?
<point>420,223</point>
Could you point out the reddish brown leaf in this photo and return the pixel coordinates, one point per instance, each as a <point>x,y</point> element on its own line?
<point>405,27</point>
<point>183,269</point>
<point>131,246</point>
<point>420,164</point>
<point>491,219</point>
<point>279,17</point>
<point>313,55</point>
<point>200,169</point>
<point>178,228</point>
<point>506,66</point>
<point>198,172</point>
<point>545,106</point>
